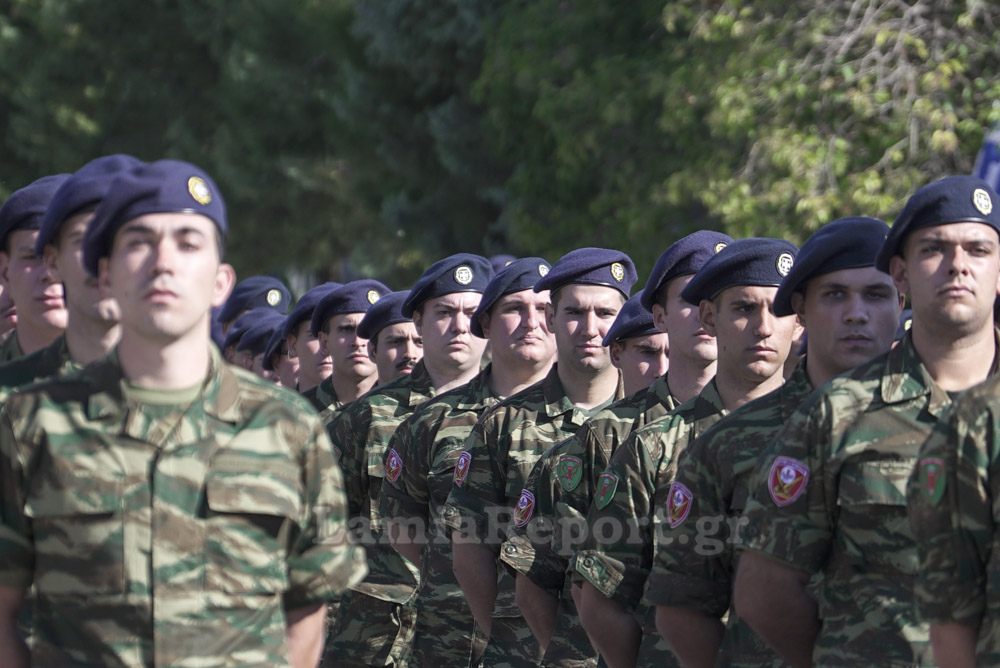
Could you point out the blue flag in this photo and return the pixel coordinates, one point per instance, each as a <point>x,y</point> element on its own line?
<point>988,161</point>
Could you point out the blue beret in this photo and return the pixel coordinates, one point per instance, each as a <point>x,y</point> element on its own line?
<point>845,243</point>
<point>518,275</point>
<point>256,336</point>
<point>304,308</point>
<point>254,292</point>
<point>273,344</point>
<point>462,272</point>
<point>683,257</point>
<point>591,266</point>
<point>81,192</point>
<point>953,199</point>
<point>386,311</point>
<point>632,321</point>
<point>353,297</point>
<point>498,262</point>
<point>245,322</point>
<point>754,261</point>
<point>164,186</point>
<point>25,208</point>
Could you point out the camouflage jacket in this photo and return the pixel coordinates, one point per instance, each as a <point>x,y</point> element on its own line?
<point>168,534</point>
<point>630,496</point>
<point>10,348</point>
<point>694,562</point>
<point>954,507</point>
<point>829,497</point>
<point>52,360</point>
<point>360,434</point>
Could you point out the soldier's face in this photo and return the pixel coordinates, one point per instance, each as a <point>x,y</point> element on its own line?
<point>443,324</point>
<point>952,274</point>
<point>31,286</point>
<point>580,318</point>
<point>347,350</point>
<point>65,263</point>
<point>688,339</point>
<point>286,369</point>
<point>518,330</point>
<point>752,342</point>
<point>315,364</point>
<point>851,316</point>
<point>398,350</point>
<point>641,359</point>
<point>164,271</point>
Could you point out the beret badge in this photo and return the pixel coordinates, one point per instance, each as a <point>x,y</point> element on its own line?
<point>199,190</point>
<point>719,246</point>
<point>543,270</point>
<point>618,271</point>
<point>981,200</point>
<point>463,275</point>
<point>372,296</point>
<point>273,297</point>
<point>784,263</point>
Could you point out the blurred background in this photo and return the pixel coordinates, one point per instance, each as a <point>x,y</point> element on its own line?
<point>371,138</point>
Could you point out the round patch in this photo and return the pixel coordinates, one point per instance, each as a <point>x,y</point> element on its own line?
<point>199,190</point>
<point>784,263</point>
<point>524,509</point>
<point>787,480</point>
<point>981,200</point>
<point>463,275</point>
<point>618,271</point>
<point>372,296</point>
<point>679,502</point>
<point>719,246</point>
<point>393,465</point>
<point>543,270</point>
<point>273,297</point>
<point>462,467</point>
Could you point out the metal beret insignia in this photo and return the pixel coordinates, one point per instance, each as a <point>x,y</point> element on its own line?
<point>719,246</point>
<point>618,271</point>
<point>981,200</point>
<point>463,275</point>
<point>543,270</point>
<point>273,297</point>
<point>372,296</point>
<point>200,191</point>
<point>784,263</point>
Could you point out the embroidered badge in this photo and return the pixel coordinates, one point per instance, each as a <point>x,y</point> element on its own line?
<point>372,296</point>
<point>981,200</point>
<point>719,246</point>
<point>569,472</point>
<point>202,194</point>
<point>273,297</point>
<point>784,263</point>
<point>679,503</point>
<point>606,486</point>
<point>462,467</point>
<point>543,270</point>
<point>932,480</point>
<point>463,275</point>
<point>525,507</point>
<point>787,480</point>
<point>393,466</point>
<point>617,271</point>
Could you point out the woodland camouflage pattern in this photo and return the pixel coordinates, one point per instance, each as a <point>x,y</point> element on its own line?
<point>694,565</point>
<point>10,349</point>
<point>504,446</point>
<point>360,433</point>
<point>859,436</point>
<point>954,506</point>
<point>325,400</point>
<point>428,444</point>
<point>242,518</point>
<point>563,482</point>
<point>52,360</point>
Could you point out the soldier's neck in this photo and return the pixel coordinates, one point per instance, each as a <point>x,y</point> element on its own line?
<point>445,377</point>
<point>349,388</point>
<point>956,362</point>
<point>510,377</point>
<point>171,364</point>
<point>687,377</point>
<point>589,389</point>
<point>736,388</point>
<point>89,339</point>
<point>32,337</point>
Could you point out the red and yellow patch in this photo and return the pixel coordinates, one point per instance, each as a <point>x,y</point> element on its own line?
<point>393,466</point>
<point>787,480</point>
<point>679,502</point>
<point>462,467</point>
<point>524,509</point>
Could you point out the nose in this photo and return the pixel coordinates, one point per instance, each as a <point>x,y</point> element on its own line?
<point>165,254</point>
<point>460,323</point>
<point>765,323</point>
<point>959,261</point>
<point>856,311</point>
<point>533,319</point>
<point>589,325</point>
<point>662,363</point>
<point>412,350</point>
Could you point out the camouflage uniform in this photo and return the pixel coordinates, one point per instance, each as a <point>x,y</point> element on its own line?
<point>563,483</point>
<point>954,508</point>
<point>694,563</point>
<point>52,360</point>
<point>168,533</point>
<point>375,623</point>
<point>630,496</point>
<point>427,446</point>
<point>10,348</point>
<point>830,497</point>
<point>489,477</point>
<point>312,396</point>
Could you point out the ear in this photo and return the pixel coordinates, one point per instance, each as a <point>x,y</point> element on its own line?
<point>616,349</point>
<point>897,269</point>
<point>660,317</point>
<point>225,279</point>
<point>484,323</point>
<point>292,340</point>
<point>4,266</point>
<point>550,314</point>
<point>103,278</point>
<point>798,305</point>
<point>707,316</point>
<point>323,337</point>
<point>418,319</point>
<point>50,257</point>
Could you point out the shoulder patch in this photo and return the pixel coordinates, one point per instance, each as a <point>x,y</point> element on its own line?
<point>932,480</point>
<point>787,480</point>
<point>393,465</point>
<point>524,509</point>
<point>679,502</point>
<point>462,467</point>
<point>606,486</point>
<point>569,472</point>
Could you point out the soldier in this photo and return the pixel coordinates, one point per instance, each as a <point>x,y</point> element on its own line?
<point>829,497</point>
<point>254,292</point>
<point>375,625</point>
<point>637,348</point>
<point>334,323</point>
<point>38,298</point>
<point>238,328</point>
<point>92,318</point>
<point>252,344</point>
<point>168,508</point>
<point>851,309</point>
<point>393,341</point>
<point>426,447</point>
<point>283,369</point>
<point>564,479</point>
<point>589,286</point>
<point>314,362</point>
<point>735,293</point>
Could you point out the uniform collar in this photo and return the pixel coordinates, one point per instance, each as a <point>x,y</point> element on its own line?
<point>796,388</point>
<point>557,403</point>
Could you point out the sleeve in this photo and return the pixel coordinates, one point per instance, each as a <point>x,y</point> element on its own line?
<point>347,438</point>
<point>404,494</point>
<point>950,509</point>
<point>690,570</point>
<point>322,561</point>
<point>790,513</point>
<point>17,552</point>
<point>477,505</point>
